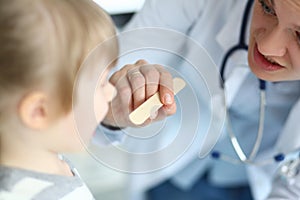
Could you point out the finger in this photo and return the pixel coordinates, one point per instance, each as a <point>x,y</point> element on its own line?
<point>169,110</point>
<point>160,115</point>
<point>151,75</point>
<point>119,74</point>
<point>137,83</point>
<point>124,70</point>
<point>141,62</point>
<point>166,87</point>
<point>155,116</point>
<point>124,96</point>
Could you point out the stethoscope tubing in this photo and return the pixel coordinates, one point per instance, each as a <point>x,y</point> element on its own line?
<point>288,170</point>
<point>262,86</point>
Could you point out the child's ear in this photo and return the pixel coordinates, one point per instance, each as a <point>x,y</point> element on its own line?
<point>34,110</point>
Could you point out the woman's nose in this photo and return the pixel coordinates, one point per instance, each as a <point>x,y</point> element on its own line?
<point>272,42</point>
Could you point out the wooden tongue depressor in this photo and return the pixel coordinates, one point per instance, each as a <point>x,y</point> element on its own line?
<point>144,111</point>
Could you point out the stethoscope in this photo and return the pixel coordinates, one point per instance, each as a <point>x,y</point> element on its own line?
<point>289,168</point>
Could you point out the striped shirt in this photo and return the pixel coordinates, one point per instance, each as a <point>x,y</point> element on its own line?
<point>20,184</point>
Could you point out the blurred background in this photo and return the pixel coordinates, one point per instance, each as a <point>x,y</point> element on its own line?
<point>121,10</point>
<point>104,182</point>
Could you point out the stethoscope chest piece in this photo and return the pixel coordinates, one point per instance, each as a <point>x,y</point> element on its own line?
<point>289,170</point>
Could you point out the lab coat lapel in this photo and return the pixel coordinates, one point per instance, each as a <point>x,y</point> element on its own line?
<point>227,38</point>
<point>229,34</point>
<point>289,140</point>
<point>261,176</point>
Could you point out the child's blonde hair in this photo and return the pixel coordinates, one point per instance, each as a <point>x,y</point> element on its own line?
<point>43,44</point>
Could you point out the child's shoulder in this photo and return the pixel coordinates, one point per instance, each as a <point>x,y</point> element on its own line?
<point>18,183</point>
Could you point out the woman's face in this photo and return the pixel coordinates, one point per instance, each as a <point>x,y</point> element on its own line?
<point>274,46</point>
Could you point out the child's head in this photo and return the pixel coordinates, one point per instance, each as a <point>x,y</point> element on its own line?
<point>43,45</point>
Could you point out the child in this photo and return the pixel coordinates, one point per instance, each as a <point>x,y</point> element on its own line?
<point>44,44</point>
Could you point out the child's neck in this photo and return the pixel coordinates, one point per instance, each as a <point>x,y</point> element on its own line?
<point>35,160</point>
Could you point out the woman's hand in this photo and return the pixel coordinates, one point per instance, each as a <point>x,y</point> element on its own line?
<point>135,84</point>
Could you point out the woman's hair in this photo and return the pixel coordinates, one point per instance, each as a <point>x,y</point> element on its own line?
<point>43,44</point>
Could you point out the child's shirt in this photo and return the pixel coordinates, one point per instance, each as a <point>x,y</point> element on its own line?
<point>20,184</point>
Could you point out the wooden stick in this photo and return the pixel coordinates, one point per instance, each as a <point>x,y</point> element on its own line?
<point>144,111</point>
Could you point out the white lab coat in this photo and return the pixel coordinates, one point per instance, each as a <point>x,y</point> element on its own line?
<point>215,24</point>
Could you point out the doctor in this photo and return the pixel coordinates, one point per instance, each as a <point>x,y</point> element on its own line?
<point>273,55</point>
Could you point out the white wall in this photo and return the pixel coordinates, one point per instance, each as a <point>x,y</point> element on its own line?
<point>120,6</point>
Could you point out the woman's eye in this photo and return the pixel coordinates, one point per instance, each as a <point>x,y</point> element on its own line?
<point>267,8</point>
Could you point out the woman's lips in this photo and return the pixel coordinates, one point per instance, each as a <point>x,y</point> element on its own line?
<point>263,63</point>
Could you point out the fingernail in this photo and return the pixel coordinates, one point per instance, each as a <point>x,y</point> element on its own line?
<point>168,99</point>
